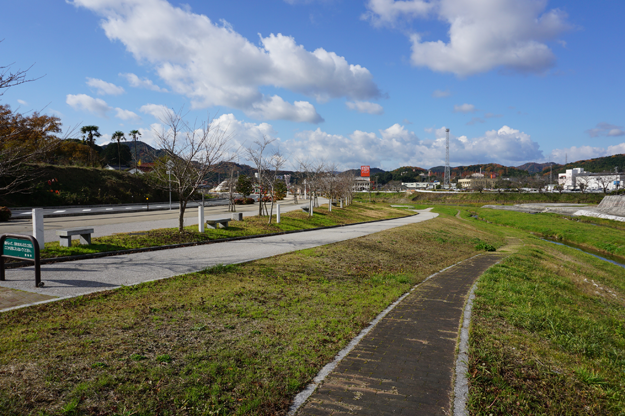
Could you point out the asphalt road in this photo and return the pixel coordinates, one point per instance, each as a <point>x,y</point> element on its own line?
<point>87,276</point>
<point>110,209</point>
<point>134,221</point>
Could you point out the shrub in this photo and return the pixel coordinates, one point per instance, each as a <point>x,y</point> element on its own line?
<point>484,246</point>
<point>243,201</point>
<point>5,214</point>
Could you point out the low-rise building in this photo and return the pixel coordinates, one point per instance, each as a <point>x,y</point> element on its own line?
<point>577,178</point>
<point>361,184</point>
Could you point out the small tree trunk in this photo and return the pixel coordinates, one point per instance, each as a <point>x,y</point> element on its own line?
<point>183,206</point>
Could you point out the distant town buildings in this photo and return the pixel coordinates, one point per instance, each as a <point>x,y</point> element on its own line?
<point>577,178</point>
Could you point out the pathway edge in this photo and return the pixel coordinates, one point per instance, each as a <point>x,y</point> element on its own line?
<point>303,396</point>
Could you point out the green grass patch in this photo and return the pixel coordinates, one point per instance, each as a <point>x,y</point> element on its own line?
<point>478,199</point>
<point>547,335</point>
<point>230,340</point>
<point>250,226</point>
<point>609,240</point>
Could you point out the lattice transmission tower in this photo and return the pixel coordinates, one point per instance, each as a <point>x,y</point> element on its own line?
<point>447,169</point>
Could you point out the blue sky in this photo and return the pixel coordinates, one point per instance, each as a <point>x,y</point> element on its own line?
<point>370,82</point>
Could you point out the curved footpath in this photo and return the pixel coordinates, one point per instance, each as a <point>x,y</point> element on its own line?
<point>87,276</point>
<point>405,364</point>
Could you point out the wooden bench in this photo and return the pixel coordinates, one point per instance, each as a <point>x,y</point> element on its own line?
<point>222,222</point>
<point>65,236</point>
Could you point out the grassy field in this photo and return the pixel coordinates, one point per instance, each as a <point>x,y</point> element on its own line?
<point>601,235</point>
<point>478,199</point>
<point>295,220</point>
<point>548,325</point>
<point>548,336</point>
<point>230,340</point>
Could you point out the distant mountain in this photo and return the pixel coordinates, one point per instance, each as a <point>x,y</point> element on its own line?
<point>145,152</point>
<point>533,167</point>
<point>356,172</point>
<point>596,165</point>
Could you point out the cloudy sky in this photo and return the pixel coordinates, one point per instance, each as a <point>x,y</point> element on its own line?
<point>353,82</point>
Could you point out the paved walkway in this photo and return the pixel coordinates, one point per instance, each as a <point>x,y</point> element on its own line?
<point>405,364</point>
<point>88,276</point>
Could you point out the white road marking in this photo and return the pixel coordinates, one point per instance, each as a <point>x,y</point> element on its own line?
<point>109,209</point>
<point>86,210</point>
<point>62,210</point>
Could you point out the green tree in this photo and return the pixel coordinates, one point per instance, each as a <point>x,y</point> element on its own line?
<point>135,135</point>
<point>89,133</point>
<point>117,154</point>
<point>244,186</point>
<point>279,189</point>
<point>119,136</point>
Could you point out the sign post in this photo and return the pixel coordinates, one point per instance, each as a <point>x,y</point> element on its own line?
<point>21,247</point>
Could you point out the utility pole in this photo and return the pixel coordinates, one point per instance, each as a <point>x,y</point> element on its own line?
<point>447,170</point>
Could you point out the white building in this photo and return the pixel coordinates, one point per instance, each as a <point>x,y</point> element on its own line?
<point>361,184</point>
<point>574,178</point>
<point>417,185</point>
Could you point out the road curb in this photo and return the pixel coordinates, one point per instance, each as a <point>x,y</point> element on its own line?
<point>182,245</point>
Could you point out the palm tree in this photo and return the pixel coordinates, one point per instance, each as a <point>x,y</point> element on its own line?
<point>89,133</point>
<point>134,134</point>
<point>119,136</point>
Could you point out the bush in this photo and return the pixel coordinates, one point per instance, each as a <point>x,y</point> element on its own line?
<point>484,246</point>
<point>5,214</point>
<point>243,201</point>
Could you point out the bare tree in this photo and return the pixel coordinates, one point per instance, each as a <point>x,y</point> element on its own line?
<point>256,155</point>
<point>582,182</point>
<point>312,172</point>
<point>9,78</point>
<point>274,163</point>
<point>193,151</point>
<point>604,180</point>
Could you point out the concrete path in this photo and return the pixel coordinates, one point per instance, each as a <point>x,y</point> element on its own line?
<point>87,276</point>
<point>405,364</point>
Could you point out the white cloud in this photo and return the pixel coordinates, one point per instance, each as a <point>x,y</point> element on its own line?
<point>275,108</point>
<point>575,153</point>
<point>389,12</point>
<point>214,65</point>
<point>465,108</point>
<point>92,105</point>
<point>606,129</point>
<point>104,88</point>
<point>137,82</point>
<point>157,111</point>
<point>483,35</point>
<point>441,94</point>
<point>126,115</point>
<point>365,107</point>
<point>392,147</point>
<point>22,102</point>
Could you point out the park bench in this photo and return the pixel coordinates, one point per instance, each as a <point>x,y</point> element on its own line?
<point>305,208</point>
<point>222,222</point>
<point>65,236</point>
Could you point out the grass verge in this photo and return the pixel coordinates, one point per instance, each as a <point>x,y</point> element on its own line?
<point>290,221</point>
<point>591,234</point>
<point>547,335</point>
<point>230,340</point>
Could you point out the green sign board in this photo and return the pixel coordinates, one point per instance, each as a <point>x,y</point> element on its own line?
<point>18,248</point>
